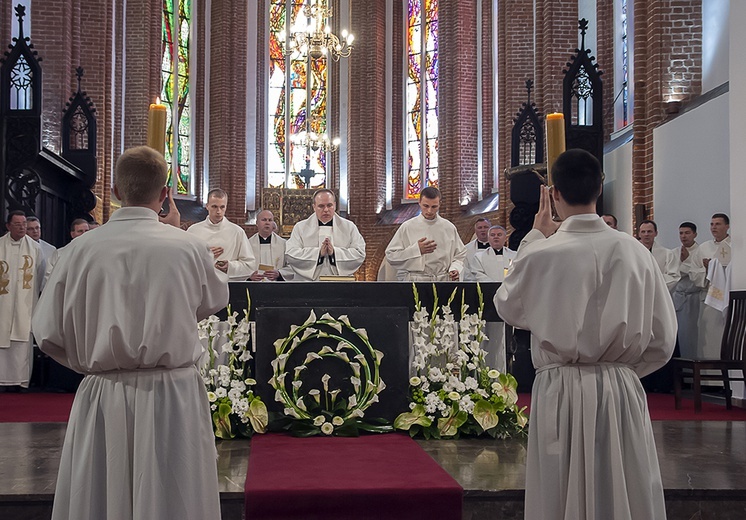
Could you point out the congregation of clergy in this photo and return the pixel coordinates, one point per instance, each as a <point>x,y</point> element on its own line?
<point>328,246</point>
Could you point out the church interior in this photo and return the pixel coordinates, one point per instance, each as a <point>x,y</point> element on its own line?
<point>450,93</point>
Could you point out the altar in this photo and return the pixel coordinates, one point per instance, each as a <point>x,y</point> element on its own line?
<point>376,318</point>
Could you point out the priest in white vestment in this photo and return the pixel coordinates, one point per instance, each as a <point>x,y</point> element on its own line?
<point>324,244</point>
<point>269,250</point>
<point>121,307</point>
<point>20,257</point>
<point>428,247</point>
<point>490,265</point>
<point>667,260</point>
<point>601,317</point>
<point>480,242</point>
<point>228,242</point>
<point>687,294</point>
<point>711,320</point>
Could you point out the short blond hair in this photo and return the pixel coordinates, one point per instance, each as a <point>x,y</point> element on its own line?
<point>140,175</point>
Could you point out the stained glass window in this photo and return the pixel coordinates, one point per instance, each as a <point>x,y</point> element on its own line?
<point>177,17</point>
<point>625,66</point>
<point>290,90</point>
<point>422,96</point>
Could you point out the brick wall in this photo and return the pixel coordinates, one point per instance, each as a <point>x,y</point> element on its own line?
<point>7,17</point>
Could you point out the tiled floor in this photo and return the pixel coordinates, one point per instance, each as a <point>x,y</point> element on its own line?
<point>703,465</point>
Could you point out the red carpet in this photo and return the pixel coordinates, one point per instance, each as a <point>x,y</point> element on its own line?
<point>35,407</point>
<point>51,407</point>
<point>370,477</point>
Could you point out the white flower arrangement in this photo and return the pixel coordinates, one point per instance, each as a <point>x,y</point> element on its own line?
<point>236,410</point>
<point>453,391</point>
<point>328,410</point>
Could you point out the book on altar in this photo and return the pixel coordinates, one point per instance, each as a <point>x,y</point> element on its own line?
<point>265,267</point>
<point>336,278</point>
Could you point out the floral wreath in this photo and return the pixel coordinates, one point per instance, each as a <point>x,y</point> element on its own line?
<point>330,412</point>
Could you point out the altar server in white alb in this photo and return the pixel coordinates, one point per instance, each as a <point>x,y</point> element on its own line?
<point>427,247</point>
<point>667,260</point>
<point>20,258</point>
<point>489,265</point>
<point>601,317</point>
<point>122,308</point>
<point>269,250</point>
<point>227,241</point>
<point>324,244</point>
<point>712,320</point>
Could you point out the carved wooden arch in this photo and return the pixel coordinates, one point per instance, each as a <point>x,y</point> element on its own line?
<point>527,128</point>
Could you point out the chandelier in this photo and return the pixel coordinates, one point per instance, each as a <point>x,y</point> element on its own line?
<point>313,141</point>
<point>314,36</point>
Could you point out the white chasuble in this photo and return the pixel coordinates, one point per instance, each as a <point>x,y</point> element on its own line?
<point>121,307</point>
<point>403,252</point>
<point>19,286</point>
<point>711,320</point>
<point>303,248</point>
<point>236,249</point>
<point>601,317</point>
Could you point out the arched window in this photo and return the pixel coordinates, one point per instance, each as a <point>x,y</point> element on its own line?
<point>421,168</point>
<point>177,18</point>
<point>296,82</point>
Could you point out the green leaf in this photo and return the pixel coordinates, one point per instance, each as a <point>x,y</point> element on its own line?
<point>407,419</point>
<point>258,416</point>
<point>448,426</point>
<point>485,413</point>
<point>222,422</point>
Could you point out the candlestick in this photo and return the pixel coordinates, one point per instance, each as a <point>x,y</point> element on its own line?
<point>157,127</point>
<point>555,130</point>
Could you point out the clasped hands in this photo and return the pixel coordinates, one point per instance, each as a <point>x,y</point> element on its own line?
<point>544,221</point>
<point>327,249</point>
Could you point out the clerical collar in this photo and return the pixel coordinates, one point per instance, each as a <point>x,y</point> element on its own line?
<point>267,240</point>
<point>498,251</point>
<point>330,223</point>
<point>483,245</point>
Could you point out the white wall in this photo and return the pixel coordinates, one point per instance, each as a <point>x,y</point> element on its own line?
<point>618,185</point>
<point>691,165</point>
<point>715,42</point>
<point>738,144</point>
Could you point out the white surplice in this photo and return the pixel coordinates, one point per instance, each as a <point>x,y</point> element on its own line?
<point>711,321</point>
<point>488,266</point>
<point>302,249</point>
<point>403,252</point>
<point>601,317</point>
<point>122,307</point>
<point>19,287</point>
<point>236,249</point>
<point>668,262</point>
<point>472,248</point>
<point>687,296</point>
<point>271,254</point>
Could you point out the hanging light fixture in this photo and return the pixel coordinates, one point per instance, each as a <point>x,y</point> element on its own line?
<point>314,36</point>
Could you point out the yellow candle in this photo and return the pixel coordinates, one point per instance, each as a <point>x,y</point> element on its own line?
<point>555,130</point>
<point>157,126</point>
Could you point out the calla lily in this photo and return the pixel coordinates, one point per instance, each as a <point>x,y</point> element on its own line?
<point>325,381</point>
<point>337,421</point>
<point>311,356</point>
<point>311,318</point>
<point>326,349</point>
<point>327,428</point>
<point>344,319</point>
<point>319,420</point>
<point>362,333</point>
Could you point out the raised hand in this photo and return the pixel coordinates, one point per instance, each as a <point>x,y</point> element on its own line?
<point>543,220</point>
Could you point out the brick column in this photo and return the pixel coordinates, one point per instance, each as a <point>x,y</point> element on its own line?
<point>457,121</point>
<point>605,59</point>
<point>556,41</point>
<point>228,62</point>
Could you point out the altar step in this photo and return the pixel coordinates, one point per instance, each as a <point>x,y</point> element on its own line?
<point>703,465</point>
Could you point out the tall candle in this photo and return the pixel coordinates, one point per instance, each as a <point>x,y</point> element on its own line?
<point>555,130</point>
<point>157,127</point>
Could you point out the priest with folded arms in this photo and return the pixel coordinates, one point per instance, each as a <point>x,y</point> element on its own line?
<point>20,258</point>
<point>227,241</point>
<point>600,317</point>
<point>324,244</point>
<point>122,307</point>
<point>269,249</point>
<point>427,248</point>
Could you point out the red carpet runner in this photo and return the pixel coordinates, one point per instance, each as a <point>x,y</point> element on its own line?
<point>49,407</point>
<point>370,477</point>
